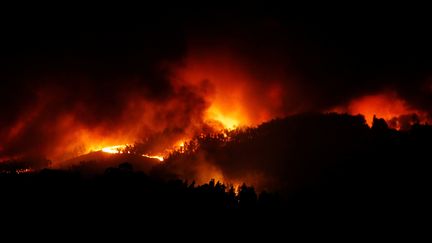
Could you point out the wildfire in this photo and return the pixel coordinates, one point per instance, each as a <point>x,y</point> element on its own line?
<point>119,149</point>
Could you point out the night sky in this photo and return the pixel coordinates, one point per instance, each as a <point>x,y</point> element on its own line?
<point>89,65</point>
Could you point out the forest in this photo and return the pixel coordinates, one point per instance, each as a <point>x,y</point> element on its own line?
<point>307,163</point>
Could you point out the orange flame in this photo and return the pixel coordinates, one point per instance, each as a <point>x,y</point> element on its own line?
<point>118,149</point>
<point>114,149</point>
<point>158,157</point>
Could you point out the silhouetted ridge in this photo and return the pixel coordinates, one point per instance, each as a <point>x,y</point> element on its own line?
<point>305,163</point>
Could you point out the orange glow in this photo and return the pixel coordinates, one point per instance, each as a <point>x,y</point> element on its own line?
<point>235,94</point>
<point>180,144</point>
<point>228,122</point>
<point>385,105</point>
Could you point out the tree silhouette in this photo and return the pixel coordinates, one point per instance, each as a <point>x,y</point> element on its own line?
<point>310,162</point>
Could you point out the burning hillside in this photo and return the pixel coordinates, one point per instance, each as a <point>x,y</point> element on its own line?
<point>150,87</point>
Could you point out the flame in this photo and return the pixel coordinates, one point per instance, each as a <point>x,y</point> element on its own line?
<point>119,149</point>
<point>214,114</point>
<point>180,143</point>
<point>114,149</point>
<point>158,157</point>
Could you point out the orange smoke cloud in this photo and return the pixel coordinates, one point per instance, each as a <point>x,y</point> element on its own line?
<point>208,90</point>
<point>238,97</point>
<point>388,106</point>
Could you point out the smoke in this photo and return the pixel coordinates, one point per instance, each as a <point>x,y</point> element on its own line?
<point>65,94</point>
<point>74,87</point>
<point>388,106</point>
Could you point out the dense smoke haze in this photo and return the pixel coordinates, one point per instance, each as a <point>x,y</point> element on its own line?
<point>75,84</point>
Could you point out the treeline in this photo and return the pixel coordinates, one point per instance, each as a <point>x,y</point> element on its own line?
<point>304,163</point>
<point>122,188</point>
<point>320,162</point>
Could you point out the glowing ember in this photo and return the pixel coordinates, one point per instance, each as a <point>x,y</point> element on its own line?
<point>23,171</point>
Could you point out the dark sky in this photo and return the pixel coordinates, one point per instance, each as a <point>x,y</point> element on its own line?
<point>338,53</point>
<point>99,57</point>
